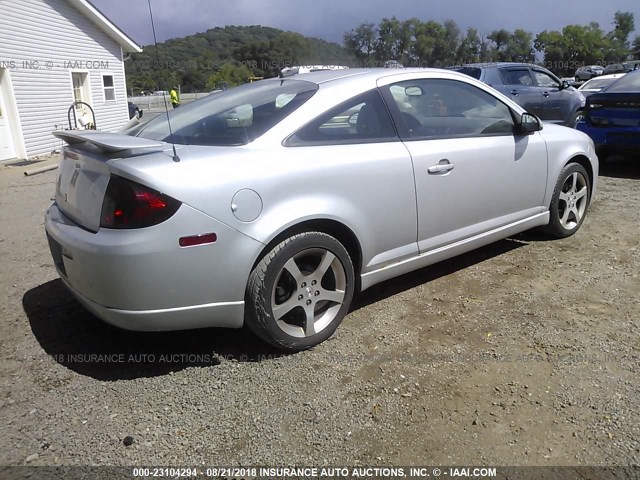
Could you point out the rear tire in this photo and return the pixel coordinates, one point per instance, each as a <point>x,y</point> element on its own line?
<point>575,118</point>
<point>300,291</point>
<point>570,201</point>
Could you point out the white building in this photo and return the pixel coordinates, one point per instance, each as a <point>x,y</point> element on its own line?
<point>52,53</point>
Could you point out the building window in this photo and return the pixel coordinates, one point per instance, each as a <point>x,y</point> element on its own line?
<point>109,88</point>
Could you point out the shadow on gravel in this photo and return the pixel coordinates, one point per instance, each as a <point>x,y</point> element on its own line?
<point>424,275</point>
<point>620,167</point>
<point>535,235</point>
<point>79,341</point>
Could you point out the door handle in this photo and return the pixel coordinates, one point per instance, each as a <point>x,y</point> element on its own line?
<point>514,92</point>
<point>441,168</point>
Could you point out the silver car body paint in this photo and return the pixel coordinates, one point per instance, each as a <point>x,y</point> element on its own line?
<point>403,217</point>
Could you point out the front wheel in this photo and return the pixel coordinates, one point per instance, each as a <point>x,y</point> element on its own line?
<point>299,292</point>
<point>569,202</point>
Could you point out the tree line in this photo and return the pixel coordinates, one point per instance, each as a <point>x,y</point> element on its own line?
<point>231,55</point>
<point>226,56</point>
<point>430,43</point>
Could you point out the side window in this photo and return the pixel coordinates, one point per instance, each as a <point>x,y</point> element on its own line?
<point>519,76</point>
<point>361,119</point>
<point>431,108</point>
<point>544,80</point>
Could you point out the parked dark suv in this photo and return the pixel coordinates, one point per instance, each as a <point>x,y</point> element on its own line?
<point>535,88</point>
<point>625,67</point>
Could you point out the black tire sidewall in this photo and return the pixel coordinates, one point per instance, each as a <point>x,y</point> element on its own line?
<point>555,227</point>
<point>265,325</point>
<point>573,121</point>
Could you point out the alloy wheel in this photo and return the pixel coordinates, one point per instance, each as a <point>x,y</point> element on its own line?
<point>308,292</point>
<point>573,200</point>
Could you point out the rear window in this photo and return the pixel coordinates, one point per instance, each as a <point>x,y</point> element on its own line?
<point>471,71</point>
<point>234,117</point>
<point>630,83</point>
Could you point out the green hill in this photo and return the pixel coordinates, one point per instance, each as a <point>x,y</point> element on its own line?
<point>195,62</point>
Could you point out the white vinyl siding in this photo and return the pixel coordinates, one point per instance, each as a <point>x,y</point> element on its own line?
<point>45,41</point>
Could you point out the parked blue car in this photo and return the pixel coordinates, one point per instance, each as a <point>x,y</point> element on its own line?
<point>612,116</point>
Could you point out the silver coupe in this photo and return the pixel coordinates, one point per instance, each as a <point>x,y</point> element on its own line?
<point>274,203</point>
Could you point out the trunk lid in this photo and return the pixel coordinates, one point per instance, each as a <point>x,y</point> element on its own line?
<point>84,171</point>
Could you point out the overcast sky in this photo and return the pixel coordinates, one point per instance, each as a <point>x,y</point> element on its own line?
<point>329,19</point>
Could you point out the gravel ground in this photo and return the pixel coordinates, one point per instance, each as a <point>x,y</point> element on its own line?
<point>521,353</point>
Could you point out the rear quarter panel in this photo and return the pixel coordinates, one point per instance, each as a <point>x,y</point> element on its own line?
<point>368,187</point>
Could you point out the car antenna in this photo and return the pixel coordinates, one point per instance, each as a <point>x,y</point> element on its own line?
<point>176,158</point>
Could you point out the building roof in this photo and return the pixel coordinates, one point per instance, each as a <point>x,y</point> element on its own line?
<point>95,15</point>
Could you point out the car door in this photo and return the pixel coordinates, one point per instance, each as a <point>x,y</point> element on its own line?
<point>521,88</point>
<point>472,173</point>
<point>350,164</point>
<point>557,103</point>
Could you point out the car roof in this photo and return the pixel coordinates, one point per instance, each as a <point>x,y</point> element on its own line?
<point>338,86</point>
<point>499,64</point>
<point>611,75</point>
<point>326,76</point>
<point>322,76</point>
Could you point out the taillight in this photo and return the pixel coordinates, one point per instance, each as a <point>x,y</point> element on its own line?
<point>130,205</point>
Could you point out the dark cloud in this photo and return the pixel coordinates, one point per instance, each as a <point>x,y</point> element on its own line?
<point>330,19</point>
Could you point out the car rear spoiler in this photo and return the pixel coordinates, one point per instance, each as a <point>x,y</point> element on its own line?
<point>107,142</point>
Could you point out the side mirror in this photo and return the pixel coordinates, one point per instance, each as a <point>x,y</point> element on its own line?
<point>353,119</point>
<point>528,124</point>
<point>565,84</point>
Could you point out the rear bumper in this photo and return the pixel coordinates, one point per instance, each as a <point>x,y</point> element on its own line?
<point>621,139</point>
<point>229,315</point>
<point>143,280</point>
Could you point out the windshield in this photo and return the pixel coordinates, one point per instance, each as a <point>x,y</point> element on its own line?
<point>630,83</point>
<point>234,117</point>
